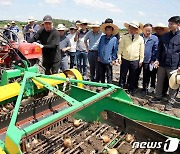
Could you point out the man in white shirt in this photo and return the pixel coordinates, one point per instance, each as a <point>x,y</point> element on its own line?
<point>72,52</point>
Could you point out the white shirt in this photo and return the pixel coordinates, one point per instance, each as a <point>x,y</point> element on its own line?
<point>73,44</point>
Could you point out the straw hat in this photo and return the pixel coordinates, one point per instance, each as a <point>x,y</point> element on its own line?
<point>13,22</point>
<point>103,26</point>
<point>160,25</point>
<point>31,19</point>
<point>135,24</point>
<point>84,21</point>
<point>174,80</point>
<point>5,27</point>
<point>61,27</point>
<point>95,24</point>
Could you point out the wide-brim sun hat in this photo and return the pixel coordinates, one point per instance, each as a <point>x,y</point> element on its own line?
<point>173,80</point>
<point>103,26</point>
<point>31,19</point>
<point>160,25</point>
<point>61,27</point>
<point>135,24</point>
<point>96,24</point>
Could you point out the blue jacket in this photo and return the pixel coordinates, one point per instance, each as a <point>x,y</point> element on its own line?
<point>151,49</point>
<point>169,50</point>
<point>107,49</point>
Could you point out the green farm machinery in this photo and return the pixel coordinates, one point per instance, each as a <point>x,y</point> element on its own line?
<point>38,113</point>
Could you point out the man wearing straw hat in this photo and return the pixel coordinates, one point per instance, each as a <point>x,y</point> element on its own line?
<point>64,46</point>
<point>168,60</point>
<point>31,28</point>
<point>131,55</point>
<point>72,51</point>
<point>49,39</point>
<point>107,51</point>
<point>93,37</point>
<point>81,53</point>
<point>15,29</point>
<point>159,30</point>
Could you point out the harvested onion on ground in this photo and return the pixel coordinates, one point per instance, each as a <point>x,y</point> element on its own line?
<point>34,142</point>
<point>112,151</point>
<point>77,122</point>
<point>67,142</point>
<point>105,138</point>
<point>48,133</point>
<point>59,151</point>
<point>129,138</point>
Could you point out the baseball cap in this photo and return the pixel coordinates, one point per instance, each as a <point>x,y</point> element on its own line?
<point>47,18</point>
<point>108,20</point>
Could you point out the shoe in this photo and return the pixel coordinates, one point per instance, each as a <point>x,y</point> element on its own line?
<point>155,100</point>
<point>168,107</point>
<point>144,93</point>
<point>151,90</point>
<point>132,93</point>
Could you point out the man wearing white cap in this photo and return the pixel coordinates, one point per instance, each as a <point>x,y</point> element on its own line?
<point>131,55</point>
<point>92,48</point>
<point>72,51</point>
<point>31,28</point>
<point>15,29</point>
<point>81,54</point>
<point>64,46</point>
<point>49,39</point>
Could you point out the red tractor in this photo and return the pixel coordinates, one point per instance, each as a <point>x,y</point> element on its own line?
<point>14,52</point>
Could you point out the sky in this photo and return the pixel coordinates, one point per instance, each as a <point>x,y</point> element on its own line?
<point>144,11</point>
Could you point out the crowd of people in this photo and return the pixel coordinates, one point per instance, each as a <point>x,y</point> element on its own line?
<point>153,49</point>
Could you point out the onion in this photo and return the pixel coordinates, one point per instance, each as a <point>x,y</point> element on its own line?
<point>5,110</point>
<point>112,151</point>
<point>129,138</point>
<point>67,142</point>
<point>77,123</point>
<point>48,133</point>
<point>9,106</point>
<point>105,138</point>
<point>28,146</point>
<point>34,142</point>
<point>59,151</point>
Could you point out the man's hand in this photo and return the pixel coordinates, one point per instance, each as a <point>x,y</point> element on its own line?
<point>98,59</point>
<point>113,62</point>
<point>140,64</point>
<point>156,64</point>
<point>78,32</point>
<point>120,61</point>
<point>178,70</point>
<point>31,30</point>
<point>64,50</point>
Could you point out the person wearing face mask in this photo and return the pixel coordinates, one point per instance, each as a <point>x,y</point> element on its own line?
<point>150,53</point>
<point>168,60</point>
<point>48,37</point>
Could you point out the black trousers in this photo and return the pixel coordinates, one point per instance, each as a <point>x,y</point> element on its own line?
<point>72,59</point>
<point>51,68</point>
<point>105,70</point>
<point>146,75</point>
<point>153,75</point>
<point>132,67</point>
